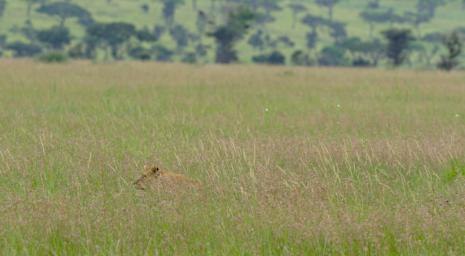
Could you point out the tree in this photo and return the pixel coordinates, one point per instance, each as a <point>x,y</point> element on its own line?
<point>416,19</point>
<point>2,7</point>
<point>433,37</point>
<point>338,30</point>
<point>2,43</point>
<point>313,22</point>
<point>301,58</point>
<point>82,50</point>
<point>189,57</point>
<point>373,4</point>
<point>424,52</point>
<point>333,56</point>
<point>311,39</point>
<point>162,53</point>
<point>454,48</point>
<point>428,7</point>
<point>140,53</point>
<point>352,44</point>
<point>201,50</point>
<point>145,35</point>
<point>169,10</point>
<point>269,6</point>
<point>258,40</point>
<point>64,11</point>
<point>112,35</point>
<point>284,40</point>
<point>375,50</point>
<point>398,43</point>
<point>55,37</point>
<point>328,4</point>
<point>228,34</point>
<point>273,58</point>
<point>29,32</point>
<point>3,40</point>
<point>460,31</point>
<point>425,12</point>
<point>212,5</point>
<point>368,52</point>
<point>201,23</point>
<point>194,4</point>
<point>21,49</point>
<point>30,5</point>
<point>145,8</point>
<point>296,8</point>
<point>373,14</point>
<point>158,31</point>
<point>181,36</point>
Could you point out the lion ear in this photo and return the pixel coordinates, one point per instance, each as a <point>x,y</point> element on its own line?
<point>146,167</point>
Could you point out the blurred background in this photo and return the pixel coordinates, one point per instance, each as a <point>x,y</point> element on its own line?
<point>361,33</point>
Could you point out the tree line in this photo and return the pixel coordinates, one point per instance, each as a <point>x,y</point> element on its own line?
<point>224,24</point>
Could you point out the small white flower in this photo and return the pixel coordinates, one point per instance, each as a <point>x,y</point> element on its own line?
<point>266,110</point>
<point>457,115</point>
<point>338,106</point>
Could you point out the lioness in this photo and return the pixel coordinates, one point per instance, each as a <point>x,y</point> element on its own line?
<point>154,175</point>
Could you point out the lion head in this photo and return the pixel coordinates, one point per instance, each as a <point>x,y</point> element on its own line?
<point>150,172</point>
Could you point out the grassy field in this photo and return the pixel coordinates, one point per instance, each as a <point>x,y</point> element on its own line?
<point>292,161</point>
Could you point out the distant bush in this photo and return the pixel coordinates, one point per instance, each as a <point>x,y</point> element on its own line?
<point>301,58</point>
<point>162,53</point>
<point>361,62</point>
<point>201,50</point>
<point>286,41</point>
<point>273,58</point>
<point>258,40</point>
<point>189,57</point>
<point>145,8</point>
<point>454,45</point>
<point>180,35</point>
<point>398,44</point>
<point>434,37</point>
<point>227,35</point>
<point>21,49</point>
<point>55,37</point>
<point>333,56</point>
<point>53,57</point>
<point>3,40</point>
<point>158,32</point>
<point>65,10</point>
<point>114,35</point>
<point>140,53</point>
<point>145,35</point>
<point>78,51</point>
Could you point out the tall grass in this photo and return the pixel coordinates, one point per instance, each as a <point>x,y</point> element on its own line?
<point>292,161</point>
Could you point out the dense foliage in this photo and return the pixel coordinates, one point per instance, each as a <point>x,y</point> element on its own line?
<point>223,30</point>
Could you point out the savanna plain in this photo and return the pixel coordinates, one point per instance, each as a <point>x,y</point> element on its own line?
<point>292,161</point>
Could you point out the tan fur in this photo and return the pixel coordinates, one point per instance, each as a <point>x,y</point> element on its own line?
<point>153,175</point>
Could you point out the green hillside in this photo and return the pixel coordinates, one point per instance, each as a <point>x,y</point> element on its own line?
<point>447,17</point>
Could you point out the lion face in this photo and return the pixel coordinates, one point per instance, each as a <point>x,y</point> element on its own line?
<point>150,172</point>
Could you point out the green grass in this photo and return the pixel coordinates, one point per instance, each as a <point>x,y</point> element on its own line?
<point>344,162</point>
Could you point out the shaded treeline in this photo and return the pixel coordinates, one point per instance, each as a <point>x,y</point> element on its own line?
<point>222,25</point>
